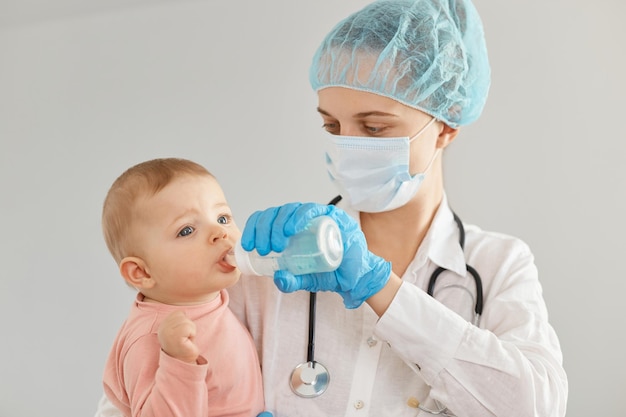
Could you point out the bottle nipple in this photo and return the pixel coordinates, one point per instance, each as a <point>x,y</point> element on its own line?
<point>230,258</point>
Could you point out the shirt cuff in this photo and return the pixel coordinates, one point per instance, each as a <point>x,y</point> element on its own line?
<point>182,370</point>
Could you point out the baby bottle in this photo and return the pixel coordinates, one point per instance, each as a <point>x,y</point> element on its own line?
<point>317,248</point>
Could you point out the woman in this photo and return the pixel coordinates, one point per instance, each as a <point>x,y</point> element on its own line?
<point>395,81</point>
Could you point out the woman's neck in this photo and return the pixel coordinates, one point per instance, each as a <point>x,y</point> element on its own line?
<point>396,235</point>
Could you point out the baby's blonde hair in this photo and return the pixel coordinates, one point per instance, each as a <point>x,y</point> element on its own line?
<point>142,180</point>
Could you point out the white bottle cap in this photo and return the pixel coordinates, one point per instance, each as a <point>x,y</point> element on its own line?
<point>329,241</point>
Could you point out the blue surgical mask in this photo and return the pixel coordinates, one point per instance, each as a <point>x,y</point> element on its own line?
<point>372,174</point>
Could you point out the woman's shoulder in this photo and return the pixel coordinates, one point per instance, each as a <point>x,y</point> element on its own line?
<point>477,238</point>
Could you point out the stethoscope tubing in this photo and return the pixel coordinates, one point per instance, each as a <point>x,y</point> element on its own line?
<point>478,307</point>
<point>310,355</point>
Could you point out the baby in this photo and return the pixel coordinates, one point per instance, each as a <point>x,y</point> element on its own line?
<point>181,351</point>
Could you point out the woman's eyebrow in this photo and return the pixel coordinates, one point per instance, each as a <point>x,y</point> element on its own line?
<point>374,113</point>
<point>362,114</point>
<point>324,112</point>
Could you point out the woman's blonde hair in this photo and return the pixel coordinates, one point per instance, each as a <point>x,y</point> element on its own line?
<point>142,180</point>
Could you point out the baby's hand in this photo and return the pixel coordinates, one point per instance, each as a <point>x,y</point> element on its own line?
<point>176,336</point>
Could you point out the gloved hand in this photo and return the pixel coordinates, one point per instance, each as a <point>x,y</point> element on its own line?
<point>361,273</point>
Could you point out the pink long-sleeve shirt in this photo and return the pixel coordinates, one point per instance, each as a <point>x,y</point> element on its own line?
<point>142,380</point>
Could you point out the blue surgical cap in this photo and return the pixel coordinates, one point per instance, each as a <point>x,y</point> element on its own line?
<point>427,54</point>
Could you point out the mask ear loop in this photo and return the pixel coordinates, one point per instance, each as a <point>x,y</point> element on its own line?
<point>433,120</point>
<point>432,160</point>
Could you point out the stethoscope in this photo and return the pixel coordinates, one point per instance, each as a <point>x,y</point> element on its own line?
<point>310,379</point>
<point>478,301</point>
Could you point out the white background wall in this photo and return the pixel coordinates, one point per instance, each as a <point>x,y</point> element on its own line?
<point>88,89</point>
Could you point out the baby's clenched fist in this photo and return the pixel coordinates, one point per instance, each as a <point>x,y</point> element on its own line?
<point>176,335</point>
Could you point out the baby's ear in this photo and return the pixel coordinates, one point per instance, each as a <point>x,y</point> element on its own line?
<point>135,273</point>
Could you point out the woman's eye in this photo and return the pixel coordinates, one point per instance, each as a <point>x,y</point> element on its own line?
<point>331,127</point>
<point>186,231</point>
<point>374,130</point>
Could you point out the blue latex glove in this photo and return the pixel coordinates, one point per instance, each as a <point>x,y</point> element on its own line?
<point>361,273</point>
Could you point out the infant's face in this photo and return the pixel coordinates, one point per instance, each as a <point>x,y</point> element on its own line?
<point>186,231</point>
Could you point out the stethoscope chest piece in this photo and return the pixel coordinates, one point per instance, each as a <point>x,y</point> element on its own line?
<point>309,379</point>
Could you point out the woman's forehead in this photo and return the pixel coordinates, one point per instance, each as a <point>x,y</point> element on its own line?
<point>347,102</point>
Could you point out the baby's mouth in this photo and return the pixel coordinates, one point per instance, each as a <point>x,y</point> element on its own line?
<point>229,258</point>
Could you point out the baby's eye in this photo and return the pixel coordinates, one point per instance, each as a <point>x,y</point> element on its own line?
<point>186,231</point>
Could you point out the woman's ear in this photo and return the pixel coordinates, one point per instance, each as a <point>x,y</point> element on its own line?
<point>446,136</point>
<point>135,273</point>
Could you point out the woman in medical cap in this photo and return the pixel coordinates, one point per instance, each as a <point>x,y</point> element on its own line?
<point>396,81</point>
